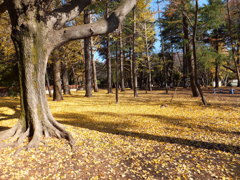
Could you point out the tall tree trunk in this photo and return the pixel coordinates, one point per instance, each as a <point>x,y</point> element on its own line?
<point>65,79</point>
<point>48,85</point>
<point>131,67</point>
<point>149,71</point>
<point>235,60</point>
<point>94,71</point>
<point>88,67</point>
<point>121,59</point>
<point>134,56</point>
<point>57,87</point>
<point>195,55</point>
<point>185,49</point>
<point>216,74</point>
<point>32,51</point>
<point>188,57</point>
<point>116,66</point>
<point>109,63</point>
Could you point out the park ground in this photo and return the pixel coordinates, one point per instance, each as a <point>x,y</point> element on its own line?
<point>139,138</point>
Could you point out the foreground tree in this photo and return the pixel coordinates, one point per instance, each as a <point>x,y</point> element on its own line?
<point>36,31</point>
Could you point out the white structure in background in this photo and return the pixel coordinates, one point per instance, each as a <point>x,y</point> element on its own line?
<point>219,84</point>
<point>233,82</point>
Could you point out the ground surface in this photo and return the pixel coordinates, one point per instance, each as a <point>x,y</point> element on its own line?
<point>142,138</point>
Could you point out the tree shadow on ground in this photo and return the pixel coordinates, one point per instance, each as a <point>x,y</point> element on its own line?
<point>115,128</point>
<point>4,116</point>
<point>3,128</point>
<point>13,106</point>
<point>183,123</point>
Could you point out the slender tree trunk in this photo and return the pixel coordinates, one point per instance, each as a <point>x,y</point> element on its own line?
<point>48,85</point>
<point>57,87</point>
<point>131,67</point>
<point>121,59</point>
<point>149,71</point>
<point>134,56</point>
<point>116,66</point>
<point>188,57</point>
<point>195,55</point>
<point>165,68</point>
<point>216,74</point>
<point>109,62</point>
<point>88,67</point>
<point>185,49</point>
<point>65,79</point>
<point>94,71</point>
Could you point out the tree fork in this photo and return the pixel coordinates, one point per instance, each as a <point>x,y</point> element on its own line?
<point>35,34</point>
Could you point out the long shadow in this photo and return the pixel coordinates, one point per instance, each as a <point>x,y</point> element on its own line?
<point>182,123</point>
<point>112,128</point>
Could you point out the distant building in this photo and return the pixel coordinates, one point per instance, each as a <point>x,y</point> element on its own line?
<point>233,82</point>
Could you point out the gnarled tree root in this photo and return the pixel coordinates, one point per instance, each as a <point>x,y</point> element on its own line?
<point>50,128</point>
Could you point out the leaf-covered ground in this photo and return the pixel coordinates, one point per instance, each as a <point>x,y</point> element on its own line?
<point>139,138</point>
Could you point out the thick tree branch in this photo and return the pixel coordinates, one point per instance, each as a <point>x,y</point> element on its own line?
<point>229,68</point>
<point>3,8</point>
<point>100,27</point>
<point>58,17</point>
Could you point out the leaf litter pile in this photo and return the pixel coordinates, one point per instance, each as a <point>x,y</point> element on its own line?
<point>139,138</point>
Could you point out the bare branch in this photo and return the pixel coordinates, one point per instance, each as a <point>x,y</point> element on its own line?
<point>102,26</point>
<point>67,12</point>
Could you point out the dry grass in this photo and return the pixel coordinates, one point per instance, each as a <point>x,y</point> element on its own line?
<point>135,139</point>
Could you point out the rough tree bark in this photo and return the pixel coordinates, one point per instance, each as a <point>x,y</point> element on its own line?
<point>35,33</point>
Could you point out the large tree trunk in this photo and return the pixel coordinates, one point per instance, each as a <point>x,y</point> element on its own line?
<point>65,79</point>
<point>36,120</point>
<point>88,67</point>
<point>57,87</point>
<point>35,34</point>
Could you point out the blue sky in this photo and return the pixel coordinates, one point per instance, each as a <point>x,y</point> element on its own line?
<point>162,6</point>
<point>154,8</point>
